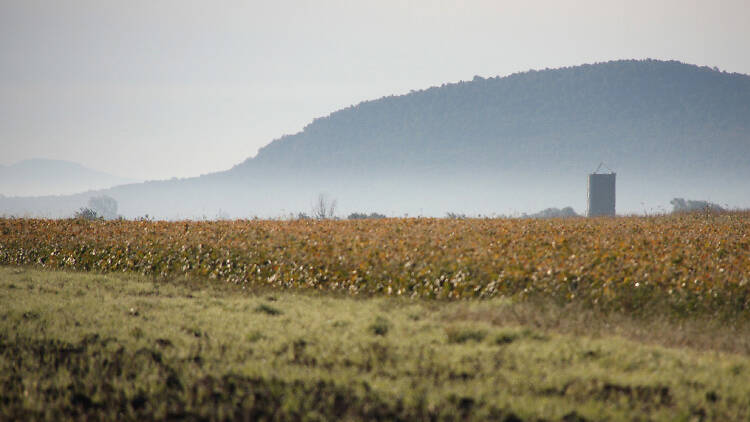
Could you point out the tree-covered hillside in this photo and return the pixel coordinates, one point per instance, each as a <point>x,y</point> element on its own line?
<point>635,115</point>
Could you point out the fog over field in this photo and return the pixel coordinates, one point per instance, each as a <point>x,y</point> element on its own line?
<point>423,108</point>
<point>507,146</point>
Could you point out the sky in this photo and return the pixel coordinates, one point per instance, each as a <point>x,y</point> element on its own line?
<point>159,89</point>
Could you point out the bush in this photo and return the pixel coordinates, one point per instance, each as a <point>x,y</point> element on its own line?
<point>380,327</point>
<point>365,216</point>
<point>681,205</point>
<point>462,335</point>
<point>87,214</point>
<point>566,212</point>
<point>266,309</point>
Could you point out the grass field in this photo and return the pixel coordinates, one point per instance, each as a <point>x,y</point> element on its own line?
<point>421,319</point>
<point>83,346</point>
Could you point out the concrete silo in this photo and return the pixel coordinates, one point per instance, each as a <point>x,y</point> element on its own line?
<point>601,194</point>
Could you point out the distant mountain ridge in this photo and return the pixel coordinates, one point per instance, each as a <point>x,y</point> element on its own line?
<point>41,176</point>
<point>581,114</point>
<point>503,145</point>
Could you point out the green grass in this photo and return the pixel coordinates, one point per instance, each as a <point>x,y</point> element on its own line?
<point>90,346</point>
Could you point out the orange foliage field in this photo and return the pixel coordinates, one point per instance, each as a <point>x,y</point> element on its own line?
<point>690,262</point>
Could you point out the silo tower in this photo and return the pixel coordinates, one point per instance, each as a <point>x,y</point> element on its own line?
<point>601,193</point>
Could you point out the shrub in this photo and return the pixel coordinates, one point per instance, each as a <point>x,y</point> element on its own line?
<point>365,216</point>
<point>462,335</point>
<point>86,214</point>
<point>255,336</point>
<point>380,327</point>
<point>266,309</point>
<point>681,205</point>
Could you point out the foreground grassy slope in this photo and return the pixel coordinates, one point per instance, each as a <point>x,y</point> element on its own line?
<point>77,345</point>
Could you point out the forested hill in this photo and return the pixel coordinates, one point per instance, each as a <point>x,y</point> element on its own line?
<point>650,116</point>
<point>513,144</point>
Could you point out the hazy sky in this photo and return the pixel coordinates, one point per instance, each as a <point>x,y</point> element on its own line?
<point>155,89</point>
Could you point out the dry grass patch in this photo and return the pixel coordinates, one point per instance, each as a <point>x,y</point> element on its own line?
<point>71,348</point>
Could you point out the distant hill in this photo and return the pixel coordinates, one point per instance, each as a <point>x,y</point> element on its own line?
<point>53,177</point>
<point>504,145</point>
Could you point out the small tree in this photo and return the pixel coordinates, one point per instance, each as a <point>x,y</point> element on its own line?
<point>323,208</point>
